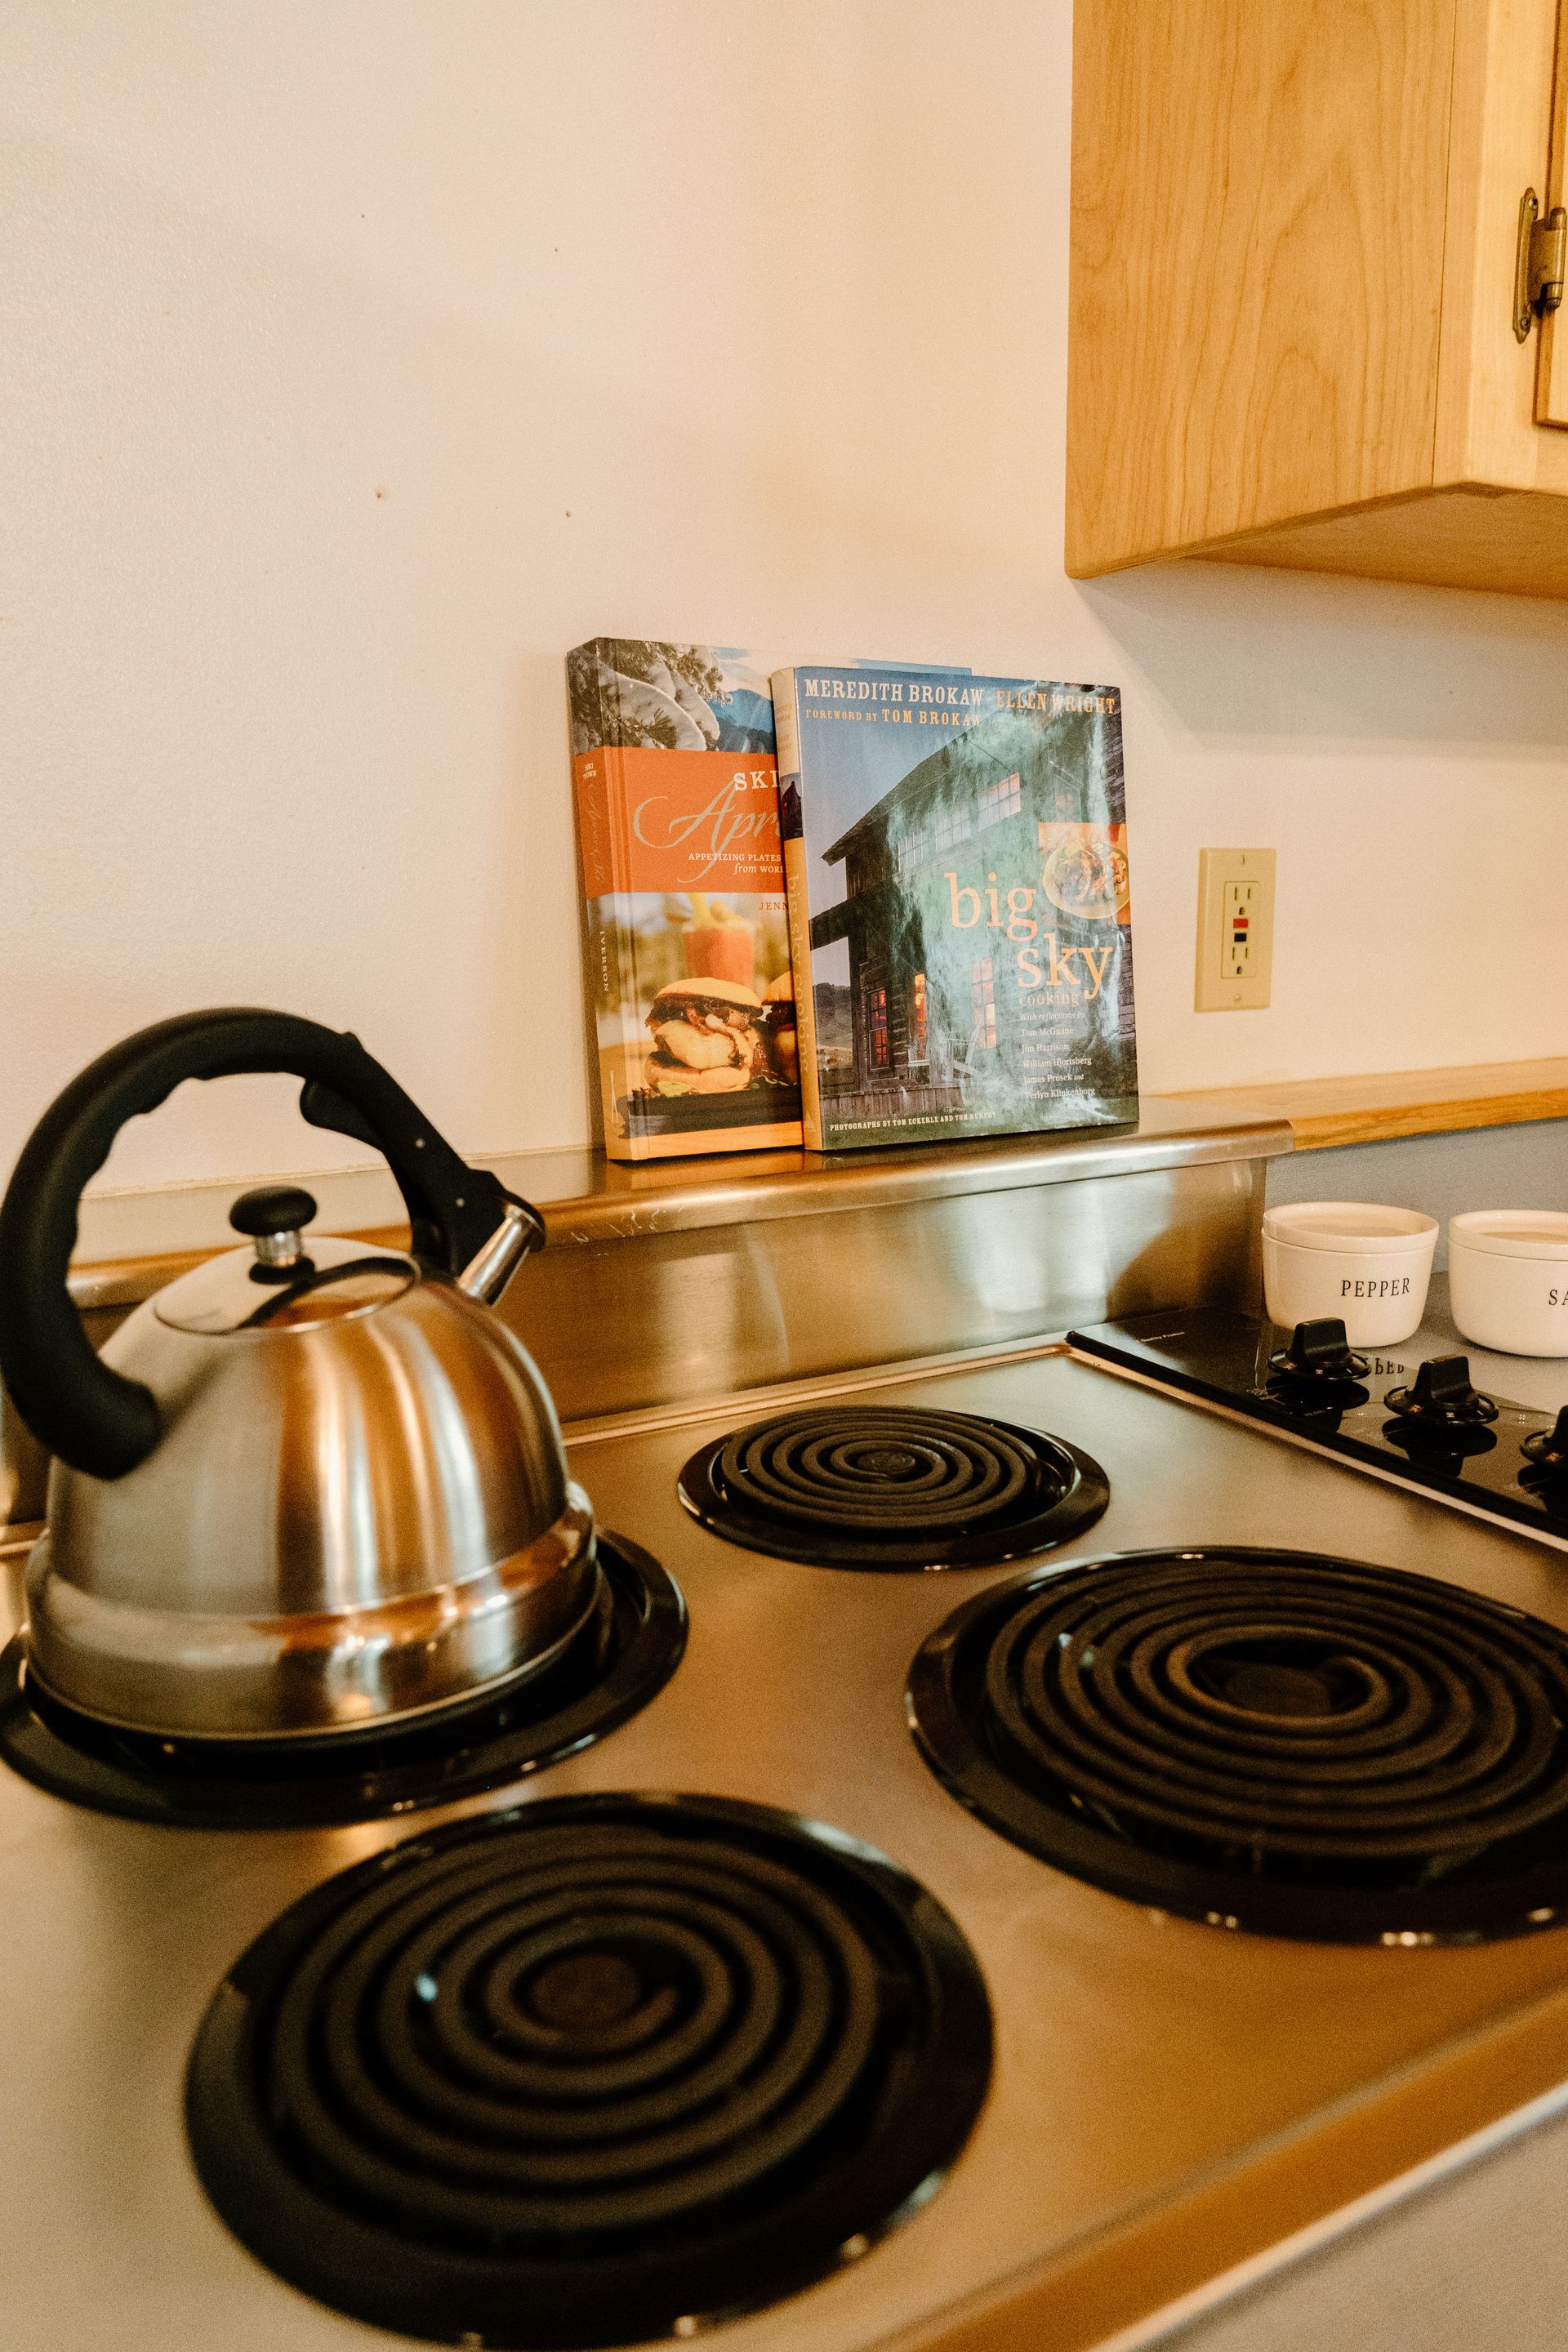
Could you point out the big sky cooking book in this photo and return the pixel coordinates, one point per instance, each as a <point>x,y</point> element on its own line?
<point>955,856</point>
<point>687,933</point>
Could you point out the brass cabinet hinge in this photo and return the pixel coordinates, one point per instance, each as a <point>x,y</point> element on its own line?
<point>1539,259</point>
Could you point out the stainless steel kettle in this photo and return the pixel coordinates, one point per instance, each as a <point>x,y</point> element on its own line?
<point>309,1487</point>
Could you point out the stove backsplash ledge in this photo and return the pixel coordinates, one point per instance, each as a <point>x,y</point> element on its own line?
<point>734,1280</point>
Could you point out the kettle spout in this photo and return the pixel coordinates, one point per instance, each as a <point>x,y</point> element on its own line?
<point>495,1262</point>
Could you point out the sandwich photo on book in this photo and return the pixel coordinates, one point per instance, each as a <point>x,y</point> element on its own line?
<point>960,903</point>
<point>685,921</point>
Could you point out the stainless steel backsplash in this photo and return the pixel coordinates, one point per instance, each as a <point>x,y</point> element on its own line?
<point>712,1277</point>
<point>667,1319</point>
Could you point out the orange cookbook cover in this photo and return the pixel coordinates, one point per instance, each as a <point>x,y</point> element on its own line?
<point>688,935</point>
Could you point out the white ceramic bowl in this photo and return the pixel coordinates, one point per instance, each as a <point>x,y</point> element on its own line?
<point>1508,1279</point>
<point>1366,1264</point>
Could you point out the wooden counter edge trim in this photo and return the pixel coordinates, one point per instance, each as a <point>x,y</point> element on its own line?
<point>1324,1112</point>
<point>1327,1129</point>
<point>1127,2277</point>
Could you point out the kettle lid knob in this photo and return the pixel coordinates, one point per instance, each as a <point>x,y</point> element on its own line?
<point>274,1215</point>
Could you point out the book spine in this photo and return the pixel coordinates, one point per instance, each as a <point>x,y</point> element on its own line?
<point>583,695</point>
<point>787,735</point>
<point>602,866</point>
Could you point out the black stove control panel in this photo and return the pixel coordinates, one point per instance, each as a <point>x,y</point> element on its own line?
<point>1421,1421</point>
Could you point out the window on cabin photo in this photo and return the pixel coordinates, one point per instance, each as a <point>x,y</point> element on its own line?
<point>877,1026</point>
<point>919,1027</point>
<point>953,824</point>
<point>1000,800</point>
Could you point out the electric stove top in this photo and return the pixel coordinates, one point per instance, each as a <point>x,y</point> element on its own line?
<point>627,1649</point>
<point>857,1485</point>
<point>1269,2074</point>
<point>1264,1739</point>
<point>1414,1413</point>
<point>588,2071</point>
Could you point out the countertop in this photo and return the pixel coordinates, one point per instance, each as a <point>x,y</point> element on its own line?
<point>1380,1106</point>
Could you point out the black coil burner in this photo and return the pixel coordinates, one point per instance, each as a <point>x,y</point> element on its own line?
<point>626,1652</point>
<point>1264,1739</point>
<point>588,2070</point>
<point>878,1486</point>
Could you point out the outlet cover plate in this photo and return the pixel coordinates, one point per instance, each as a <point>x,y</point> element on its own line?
<point>1236,931</point>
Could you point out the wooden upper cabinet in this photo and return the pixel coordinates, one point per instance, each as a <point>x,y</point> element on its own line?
<point>1294,233</point>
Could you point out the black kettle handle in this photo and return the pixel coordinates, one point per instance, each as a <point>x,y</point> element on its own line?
<point>75,1404</point>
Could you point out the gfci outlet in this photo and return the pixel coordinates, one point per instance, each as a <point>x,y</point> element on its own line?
<point>1235,929</point>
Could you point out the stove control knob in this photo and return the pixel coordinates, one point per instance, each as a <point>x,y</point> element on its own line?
<point>1320,1353</point>
<point>1548,1448</point>
<point>1441,1395</point>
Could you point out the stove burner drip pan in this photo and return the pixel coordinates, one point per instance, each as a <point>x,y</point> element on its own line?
<point>589,2071</point>
<point>875,1486</point>
<point>627,1651</point>
<point>1268,1740</point>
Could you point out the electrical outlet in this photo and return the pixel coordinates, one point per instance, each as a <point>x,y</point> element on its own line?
<point>1235,929</point>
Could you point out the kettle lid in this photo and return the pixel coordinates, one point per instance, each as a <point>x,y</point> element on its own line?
<point>280,1283</point>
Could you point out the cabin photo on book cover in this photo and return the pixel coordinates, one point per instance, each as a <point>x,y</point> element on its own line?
<point>955,856</point>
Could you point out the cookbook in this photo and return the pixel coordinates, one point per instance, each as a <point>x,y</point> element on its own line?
<point>960,903</point>
<point>686,928</point>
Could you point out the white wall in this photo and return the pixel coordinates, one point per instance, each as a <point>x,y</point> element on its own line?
<point>366,356</point>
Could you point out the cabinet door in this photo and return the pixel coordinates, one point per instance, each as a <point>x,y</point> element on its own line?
<point>1551,367</point>
<point>1255,322</point>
